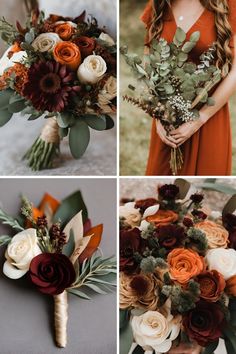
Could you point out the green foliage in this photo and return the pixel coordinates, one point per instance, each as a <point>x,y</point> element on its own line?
<point>8,32</point>
<point>9,220</point>
<point>4,240</point>
<point>149,264</point>
<point>124,318</point>
<point>211,348</point>
<point>196,239</point>
<point>97,274</point>
<point>79,137</point>
<point>145,234</point>
<point>69,247</point>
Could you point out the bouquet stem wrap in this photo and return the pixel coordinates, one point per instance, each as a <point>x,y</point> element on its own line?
<point>45,148</point>
<point>61,318</point>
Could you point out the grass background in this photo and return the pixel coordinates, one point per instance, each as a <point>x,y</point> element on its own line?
<point>134,124</point>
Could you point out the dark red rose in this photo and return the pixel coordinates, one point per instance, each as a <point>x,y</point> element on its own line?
<point>143,204</point>
<point>170,236</point>
<point>204,323</point>
<point>199,214</point>
<point>130,242</point>
<point>212,285</point>
<point>188,222</point>
<point>168,191</point>
<point>86,45</point>
<point>197,198</point>
<point>52,273</point>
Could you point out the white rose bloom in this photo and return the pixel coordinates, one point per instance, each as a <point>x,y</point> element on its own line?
<point>131,214</point>
<point>46,42</point>
<point>107,94</point>
<point>92,69</point>
<point>6,63</point>
<point>153,331</point>
<point>20,252</point>
<point>72,24</point>
<point>222,260</point>
<point>106,38</point>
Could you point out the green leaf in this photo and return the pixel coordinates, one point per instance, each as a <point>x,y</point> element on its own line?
<point>183,187</point>
<point>16,106</point>
<point>210,101</point>
<point>211,348</point>
<point>79,137</point>
<point>69,247</point>
<point>64,119</point>
<point>195,36</point>
<point>180,36</point>
<point>5,116</point>
<point>109,122</point>
<point>188,46</point>
<point>10,221</point>
<point>141,70</point>
<point>95,288</point>
<point>5,96</point>
<point>4,240</point>
<point>126,339</point>
<point>124,318</point>
<point>94,121</point>
<point>182,57</point>
<point>69,207</point>
<point>63,132</point>
<point>230,206</point>
<point>79,293</point>
<point>229,347</point>
<point>218,187</point>
<point>232,311</point>
<point>138,350</point>
<point>168,88</point>
<point>229,334</point>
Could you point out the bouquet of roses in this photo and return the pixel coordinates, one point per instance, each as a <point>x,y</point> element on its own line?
<point>177,273</point>
<point>63,69</point>
<point>56,246</point>
<point>174,87</point>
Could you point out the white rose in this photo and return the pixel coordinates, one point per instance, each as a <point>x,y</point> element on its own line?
<point>106,38</point>
<point>222,260</point>
<point>20,251</point>
<point>153,331</point>
<point>6,63</point>
<point>92,69</point>
<point>72,24</point>
<point>131,214</point>
<point>107,94</point>
<point>46,42</point>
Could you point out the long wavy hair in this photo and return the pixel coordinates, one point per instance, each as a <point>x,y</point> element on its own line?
<point>220,8</point>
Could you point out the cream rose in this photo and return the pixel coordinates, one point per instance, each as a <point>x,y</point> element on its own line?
<point>92,69</point>
<point>222,260</point>
<point>72,24</point>
<point>6,63</point>
<point>20,251</point>
<point>217,236</point>
<point>107,94</point>
<point>46,42</point>
<point>106,38</point>
<point>153,331</point>
<point>131,215</point>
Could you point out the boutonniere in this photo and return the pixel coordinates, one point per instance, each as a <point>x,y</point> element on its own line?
<point>57,247</point>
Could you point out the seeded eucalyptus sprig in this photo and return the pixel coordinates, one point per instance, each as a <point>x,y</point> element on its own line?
<point>8,32</point>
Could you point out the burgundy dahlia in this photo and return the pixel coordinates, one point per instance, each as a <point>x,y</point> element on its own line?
<point>197,198</point>
<point>168,191</point>
<point>170,236</point>
<point>199,214</point>
<point>130,243</point>
<point>50,85</point>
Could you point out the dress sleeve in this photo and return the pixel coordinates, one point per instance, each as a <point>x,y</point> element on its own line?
<point>146,16</point>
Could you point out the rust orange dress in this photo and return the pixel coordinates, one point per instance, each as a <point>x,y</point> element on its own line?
<point>209,150</point>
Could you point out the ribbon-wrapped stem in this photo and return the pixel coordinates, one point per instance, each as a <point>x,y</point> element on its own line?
<point>46,147</point>
<point>60,318</point>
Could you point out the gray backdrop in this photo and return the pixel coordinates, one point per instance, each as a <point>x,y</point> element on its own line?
<point>25,315</point>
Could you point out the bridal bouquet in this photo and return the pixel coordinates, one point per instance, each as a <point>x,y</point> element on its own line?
<point>56,246</point>
<point>177,273</point>
<point>63,69</point>
<point>174,87</point>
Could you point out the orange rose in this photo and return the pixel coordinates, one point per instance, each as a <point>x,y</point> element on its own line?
<point>64,30</point>
<point>162,217</point>
<point>231,286</point>
<point>217,236</point>
<point>184,264</point>
<point>67,53</point>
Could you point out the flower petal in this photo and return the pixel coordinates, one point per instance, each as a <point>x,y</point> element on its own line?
<point>13,273</point>
<point>151,210</point>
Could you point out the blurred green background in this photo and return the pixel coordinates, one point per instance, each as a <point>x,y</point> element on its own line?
<point>134,124</point>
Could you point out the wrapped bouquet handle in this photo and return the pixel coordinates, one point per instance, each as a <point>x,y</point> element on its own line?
<point>61,318</point>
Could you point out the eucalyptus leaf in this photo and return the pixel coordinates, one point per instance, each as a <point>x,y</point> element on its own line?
<point>211,348</point>
<point>95,122</point>
<point>184,186</point>
<point>4,240</point>
<point>195,36</point>
<point>123,318</point>
<point>180,36</point>
<point>79,293</point>
<point>109,122</point>
<point>126,339</point>
<point>63,132</point>
<point>188,46</point>
<point>5,96</point>
<point>17,106</point>
<point>69,247</point>
<point>64,119</point>
<point>5,116</point>
<point>79,137</point>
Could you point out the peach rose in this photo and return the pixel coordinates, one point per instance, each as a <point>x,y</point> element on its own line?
<point>64,30</point>
<point>67,53</point>
<point>184,264</point>
<point>162,217</point>
<point>231,286</point>
<point>217,235</point>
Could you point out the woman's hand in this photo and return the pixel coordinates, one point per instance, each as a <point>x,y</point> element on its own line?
<point>186,130</point>
<point>186,349</point>
<point>167,139</point>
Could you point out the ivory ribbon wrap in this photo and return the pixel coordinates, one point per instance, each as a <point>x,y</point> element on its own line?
<point>50,132</point>
<point>60,318</point>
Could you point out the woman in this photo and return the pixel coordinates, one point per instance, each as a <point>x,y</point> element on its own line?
<point>206,143</point>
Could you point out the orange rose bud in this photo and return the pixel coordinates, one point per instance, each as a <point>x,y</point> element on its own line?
<point>86,45</point>
<point>212,285</point>
<point>231,286</point>
<point>67,53</point>
<point>64,31</point>
<point>185,264</point>
<point>162,217</point>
